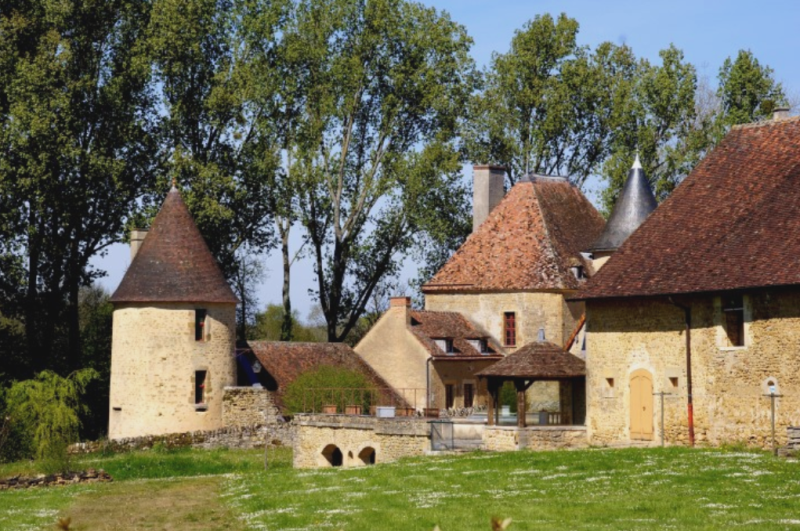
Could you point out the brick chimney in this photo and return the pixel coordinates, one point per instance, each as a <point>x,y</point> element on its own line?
<point>487,192</point>
<point>401,305</point>
<point>137,237</point>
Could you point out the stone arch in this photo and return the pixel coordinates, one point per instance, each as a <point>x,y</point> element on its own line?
<point>333,455</point>
<point>367,455</point>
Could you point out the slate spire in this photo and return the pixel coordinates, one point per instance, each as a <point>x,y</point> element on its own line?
<point>635,203</point>
<point>174,263</point>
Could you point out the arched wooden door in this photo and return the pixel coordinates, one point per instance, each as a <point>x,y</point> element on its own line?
<point>641,406</point>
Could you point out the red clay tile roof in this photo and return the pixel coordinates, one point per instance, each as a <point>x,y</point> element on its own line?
<point>734,223</point>
<point>285,361</point>
<point>539,360</point>
<point>528,242</point>
<point>429,326</point>
<point>174,263</point>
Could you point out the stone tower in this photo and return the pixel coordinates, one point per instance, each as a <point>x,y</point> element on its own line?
<point>173,344</point>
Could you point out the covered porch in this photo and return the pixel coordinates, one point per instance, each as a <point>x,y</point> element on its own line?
<point>539,361</point>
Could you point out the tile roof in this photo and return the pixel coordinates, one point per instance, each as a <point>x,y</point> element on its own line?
<point>734,223</point>
<point>285,361</point>
<point>174,263</point>
<point>428,326</point>
<point>539,360</point>
<point>528,242</point>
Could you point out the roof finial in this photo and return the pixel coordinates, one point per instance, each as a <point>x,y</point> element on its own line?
<point>637,164</point>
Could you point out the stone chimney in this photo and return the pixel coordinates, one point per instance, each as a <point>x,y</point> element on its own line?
<point>401,305</point>
<point>137,237</point>
<point>780,113</point>
<point>487,192</point>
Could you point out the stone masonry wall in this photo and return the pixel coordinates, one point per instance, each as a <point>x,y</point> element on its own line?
<point>390,439</point>
<point>729,383</point>
<point>534,310</point>
<point>153,363</point>
<point>510,438</point>
<point>248,406</point>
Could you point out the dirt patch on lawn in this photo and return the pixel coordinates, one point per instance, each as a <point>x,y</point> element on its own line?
<point>184,504</point>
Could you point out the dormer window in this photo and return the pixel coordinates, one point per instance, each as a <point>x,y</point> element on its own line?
<point>481,345</point>
<point>578,272</point>
<point>445,345</point>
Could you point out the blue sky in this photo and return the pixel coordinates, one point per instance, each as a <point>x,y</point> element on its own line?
<point>707,31</point>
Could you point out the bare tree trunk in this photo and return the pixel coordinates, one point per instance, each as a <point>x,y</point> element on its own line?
<point>287,326</point>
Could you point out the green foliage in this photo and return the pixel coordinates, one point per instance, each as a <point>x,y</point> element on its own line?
<point>328,385</point>
<point>267,326</point>
<point>747,90</point>
<point>46,410</point>
<point>508,396</point>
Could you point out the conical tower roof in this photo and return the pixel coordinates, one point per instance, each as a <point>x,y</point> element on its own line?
<point>631,209</point>
<point>174,263</point>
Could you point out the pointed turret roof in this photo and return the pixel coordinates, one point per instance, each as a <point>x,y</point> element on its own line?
<point>529,241</point>
<point>174,263</point>
<point>634,204</point>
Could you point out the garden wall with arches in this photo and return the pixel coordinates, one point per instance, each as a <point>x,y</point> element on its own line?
<point>323,441</point>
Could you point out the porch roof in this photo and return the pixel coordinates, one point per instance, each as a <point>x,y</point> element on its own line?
<point>539,360</point>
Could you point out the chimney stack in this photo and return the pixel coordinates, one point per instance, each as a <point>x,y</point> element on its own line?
<point>401,304</point>
<point>487,192</point>
<point>780,113</point>
<point>137,237</point>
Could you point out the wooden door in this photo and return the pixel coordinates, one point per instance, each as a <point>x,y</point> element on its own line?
<point>641,406</point>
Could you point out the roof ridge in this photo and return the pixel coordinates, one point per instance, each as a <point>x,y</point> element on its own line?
<point>765,122</point>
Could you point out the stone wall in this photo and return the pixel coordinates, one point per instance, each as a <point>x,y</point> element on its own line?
<point>154,357</point>
<point>236,437</point>
<point>534,310</point>
<point>355,437</point>
<point>729,383</point>
<point>509,438</point>
<point>248,406</point>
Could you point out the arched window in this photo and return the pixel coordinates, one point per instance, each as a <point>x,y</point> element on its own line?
<point>333,455</point>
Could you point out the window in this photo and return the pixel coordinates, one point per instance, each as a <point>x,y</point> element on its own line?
<point>510,328</point>
<point>446,345</point>
<point>200,330</point>
<point>480,345</point>
<point>449,392</point>
<point>469,394</point>
<point>200,387</point>
<point>733,319</point>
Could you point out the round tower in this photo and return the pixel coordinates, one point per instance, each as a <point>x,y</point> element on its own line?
<point>173,339</point>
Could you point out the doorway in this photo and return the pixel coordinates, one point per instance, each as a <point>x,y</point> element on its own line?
<point>641,406</point>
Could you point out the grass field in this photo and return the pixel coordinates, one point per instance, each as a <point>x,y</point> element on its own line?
<point>592,489</point>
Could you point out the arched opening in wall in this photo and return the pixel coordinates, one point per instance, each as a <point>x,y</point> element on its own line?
<point>367,455</point>
<point>333,455</point>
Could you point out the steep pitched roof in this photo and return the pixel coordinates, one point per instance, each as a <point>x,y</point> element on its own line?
<point>430,326</point>
<point>539,359</point>
<point>174,263</point>
<point>528,242</point>
<point>734,223</point>
<point>636,201</point>
<point>285,361</point>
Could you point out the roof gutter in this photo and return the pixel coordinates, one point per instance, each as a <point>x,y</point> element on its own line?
<point>687,312</point>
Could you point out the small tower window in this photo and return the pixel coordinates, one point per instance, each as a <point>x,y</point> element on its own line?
<point>510,328</point>
<point>200,388</point>
<point>200,326</point>
<point>733,320</point>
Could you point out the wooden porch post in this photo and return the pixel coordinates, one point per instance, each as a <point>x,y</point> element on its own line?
<point>490,408</point>
<point>520,386</point>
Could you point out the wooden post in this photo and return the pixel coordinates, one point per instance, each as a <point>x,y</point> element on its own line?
<point>520,385</point>
<point>491,404</point>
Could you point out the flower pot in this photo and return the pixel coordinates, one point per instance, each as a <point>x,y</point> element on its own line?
<point>329,409</point>
<point>352,410</point>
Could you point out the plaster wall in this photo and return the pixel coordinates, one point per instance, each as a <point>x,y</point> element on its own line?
<point>729,383</point>
<point>396,355</point>
<point>154,357</point>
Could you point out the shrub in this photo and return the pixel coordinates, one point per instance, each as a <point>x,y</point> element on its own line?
<point>44,414</point>
<point>328,385</point>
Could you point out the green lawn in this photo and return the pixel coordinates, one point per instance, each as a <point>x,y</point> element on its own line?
<point>593,489</point>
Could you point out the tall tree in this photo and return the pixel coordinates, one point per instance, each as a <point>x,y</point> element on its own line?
<point>76,153</point>
<point>203,54</point>
<point>387,85</point>
<point>747,90</point>
<point>546,106</point>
